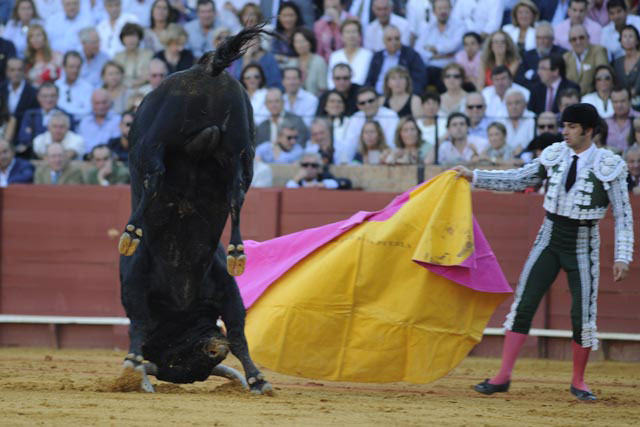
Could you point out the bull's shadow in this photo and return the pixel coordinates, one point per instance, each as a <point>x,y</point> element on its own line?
<point>191,159</point>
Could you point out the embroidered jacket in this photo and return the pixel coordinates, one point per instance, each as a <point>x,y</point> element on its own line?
<point>601,181</point>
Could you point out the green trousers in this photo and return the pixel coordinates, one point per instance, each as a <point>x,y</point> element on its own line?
<point>570,245</point>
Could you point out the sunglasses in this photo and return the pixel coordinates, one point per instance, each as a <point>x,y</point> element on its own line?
<point>605,78</point>
<point>292,137</point>
<point>310,165</point>
<point>475,107</point>
<point>452,76</point>
<point>157,75</point>
<point>549,126</point>
<point>575,39</point>
<point>252,76</point>
<point>127,124</point>
<point>341,78</point>
<point>367,101</point>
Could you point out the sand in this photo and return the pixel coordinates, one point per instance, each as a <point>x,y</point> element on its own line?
<point>74,388</point>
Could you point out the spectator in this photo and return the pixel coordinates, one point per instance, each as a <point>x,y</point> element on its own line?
<point>311,174</point>
<point>498,153</point>
<point>583,58</point>
<point>23,16</point>
<point>370,110</point>
<point>58,132</point>
<point>101,124</point>
<point>498,50</point>
<point>408,142</point>
<point>63,27</point>
<point>43,65</point>
<point>598,12</point>
<point>268,129</point>
<point>341,78</point>
<point>567,97</point>
<point>162,15</point>
<point>452,100</point>
<point>327,28</point>
<point>551,70</point>
<point>475,109</point>
<point>256,54</point>
<point>174,54</point>
<point>634,135</point>
<point>470,57</point>
<point>479,15</point>
<point>520,123</point>
<point>439,40</point>
<point>418,11</point>
<point>93,10</point>
<point>357,57</point>
<point>262,174</point>
<point>285,149</point>
<point>632,157</point>
<point>120,146</point>
<point>113,78</point>
<point>601,135</point>
<point>200,30</point>
<point>252,78</point>
<point>395,54</point>
<point>547,123</point>
<point>321,140</point>
<point>457,149</point>
<point>374,31</point>
<point>528,74</point>
<point>250,15</point>
<point>604,82</point>
<point>289,18</point>
<point>7,122</point>
<point>133,59</point>
<point>372,146</point>
<point>12,169</point>
<point>139,8</point>
<point>7,50</point>
<point>620,123</point>
<point>36,120</point>
<point>627,67</point>
<point>521,30</point>
<point>577,15</point>
<point>313,67</point>
<point>57,168</point>
<point>334,110</point>
<point>17,94</point>
<point>428,125</point>
<point>110,27</point>
<point>494,95</point>
<point>94,59</point>
<point>157,73</point>
<point>398,94</point>
<point>619,18</point>
<point>105,170</point>
<point>297,100</point>
<point>47,8</point>
<point>76,93</point>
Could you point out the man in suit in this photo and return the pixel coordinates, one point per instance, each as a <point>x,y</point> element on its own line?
<point>57,169</point>
<point>544,95</point>
<point>395,53</point>
<point>583,58</point>
<point>7,50</point>
<point>16,92</point>
<point>577,15</point>
<point>527,74</point>
<point>13,170</point>
<point>554,11</point>
<point>268,129</point>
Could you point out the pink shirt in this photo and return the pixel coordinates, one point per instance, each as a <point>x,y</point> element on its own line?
<point>328,36</point>
<point>561,32</point>
<point>471,67</point>
<point>601,16</point>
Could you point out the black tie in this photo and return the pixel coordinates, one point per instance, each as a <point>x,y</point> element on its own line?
<point>571,176</point>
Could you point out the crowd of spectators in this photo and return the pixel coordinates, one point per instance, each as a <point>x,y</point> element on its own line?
<point>355,82</point>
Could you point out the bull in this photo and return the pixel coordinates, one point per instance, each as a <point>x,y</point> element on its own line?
<point>192,145</point>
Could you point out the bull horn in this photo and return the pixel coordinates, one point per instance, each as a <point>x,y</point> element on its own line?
<point>229,373</point>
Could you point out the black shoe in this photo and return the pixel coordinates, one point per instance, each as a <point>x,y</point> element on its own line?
<point>487,388</point>
<point>582,394</point>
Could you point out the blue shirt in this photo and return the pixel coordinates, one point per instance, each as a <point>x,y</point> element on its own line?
<point>90,71</point>
<point>94,133</point>
<point>388,63</point>
<point>265,152</point>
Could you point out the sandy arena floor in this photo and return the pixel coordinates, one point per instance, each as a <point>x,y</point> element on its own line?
<point>68,387</point>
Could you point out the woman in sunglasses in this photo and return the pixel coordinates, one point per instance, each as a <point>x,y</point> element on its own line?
<point>453,99</point>
<point>604,80</point>
<point>253,80</point>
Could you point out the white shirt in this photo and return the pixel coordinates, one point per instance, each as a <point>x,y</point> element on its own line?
<point>496,107</point>
<point>448,154</point>
<point>71,141</point>
<point>63,32</point>
<point>610,38</point>
<point>14,96</point>
<point>373,33</point>
<point>529,38</point>
<point>110,36</point>
<point>141,9</point>
<point>75,98</point>
<point>359,65</point>
<point>359,8</point>
<point>605,111</point>
<point>419,11</point>
<point>346,149</point>
<point>582,160</point>
<point>4,176</point>
<point>518,138</point>
<point>447,42</point>
<point>304,105</point>
<point>258,102</point>
<point>481,16</point>
<point>48,8</point>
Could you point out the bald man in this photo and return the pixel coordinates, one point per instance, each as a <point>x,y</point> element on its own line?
<point>102,124</point>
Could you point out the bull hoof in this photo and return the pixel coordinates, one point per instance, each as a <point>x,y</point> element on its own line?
<point>236,260</point>
<point>129,240</point>
<point>217,349</point>
<point>135,369</point>
<point>258,385</point>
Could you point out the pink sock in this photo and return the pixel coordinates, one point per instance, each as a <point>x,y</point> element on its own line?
<point>580,358</point>
<point>513,342</point>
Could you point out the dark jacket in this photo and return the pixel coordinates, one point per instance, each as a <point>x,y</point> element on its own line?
<point>530,61</point>
<point>547,9</point>
<point>7,50</point>
<point>28,100</point>
<point>33,126</point>
<point>538,99</point>
<point>350,107</point>
<point>409,59</point>
<point>22,172</point>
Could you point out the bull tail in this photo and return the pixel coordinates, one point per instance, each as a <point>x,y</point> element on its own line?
<point>232,49</point>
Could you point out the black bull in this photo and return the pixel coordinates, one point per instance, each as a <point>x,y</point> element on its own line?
<point>191,159</point>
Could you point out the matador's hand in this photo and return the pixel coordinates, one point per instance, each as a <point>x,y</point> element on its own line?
<point>620,271</point>
<point>463,172</point>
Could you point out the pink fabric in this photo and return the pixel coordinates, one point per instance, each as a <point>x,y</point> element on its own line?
<point>561,32</point>
<point>269,260</point>
<point>580,359</point>
<point>513,342</point>
<point>326,33</point>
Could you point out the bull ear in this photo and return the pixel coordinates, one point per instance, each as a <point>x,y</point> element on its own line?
<point>204,142</point>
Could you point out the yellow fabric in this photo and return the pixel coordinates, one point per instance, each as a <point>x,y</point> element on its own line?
<point>359,309</point>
